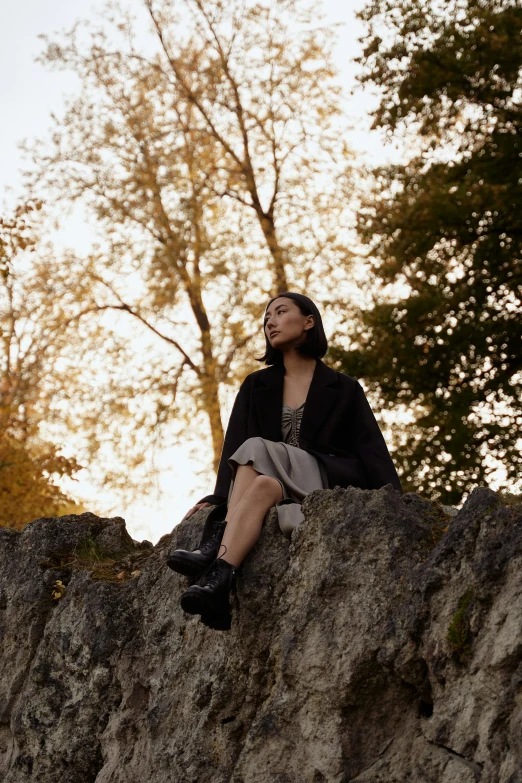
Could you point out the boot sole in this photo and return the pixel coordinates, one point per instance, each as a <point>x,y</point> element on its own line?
<point>216,617</point>
<point>181,565</point>
<point>218,622</point>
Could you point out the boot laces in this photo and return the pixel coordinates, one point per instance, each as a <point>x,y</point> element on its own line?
<point>218,568</point>
<point>211,542</point>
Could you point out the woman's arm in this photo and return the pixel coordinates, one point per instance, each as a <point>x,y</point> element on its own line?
<point>235,436</point>
<point>371,448</point>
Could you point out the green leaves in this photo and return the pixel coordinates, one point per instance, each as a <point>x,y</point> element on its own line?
<point>446,231</point>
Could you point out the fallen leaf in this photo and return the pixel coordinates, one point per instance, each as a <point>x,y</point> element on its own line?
<point>59,590</point>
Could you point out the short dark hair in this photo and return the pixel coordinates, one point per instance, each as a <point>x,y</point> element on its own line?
<point>315,345</point>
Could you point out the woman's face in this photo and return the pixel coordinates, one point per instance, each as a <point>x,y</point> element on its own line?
<point>285,325</point>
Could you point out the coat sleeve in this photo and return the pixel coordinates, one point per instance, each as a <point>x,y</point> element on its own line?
<point>371,447</point>
<point>235,436</point>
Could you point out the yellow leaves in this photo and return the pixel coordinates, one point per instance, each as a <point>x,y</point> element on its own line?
<point>105,573</point>
<point>26,486</point>
<point>121,576</point>
<point>29,466</point>
<point>58,590</point>
<point>15,233</point>
<point>201,170</point>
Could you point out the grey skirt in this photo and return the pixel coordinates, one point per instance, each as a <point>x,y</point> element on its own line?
<point>297,471</point>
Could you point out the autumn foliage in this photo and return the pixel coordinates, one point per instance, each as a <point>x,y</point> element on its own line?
<point>29,464</point>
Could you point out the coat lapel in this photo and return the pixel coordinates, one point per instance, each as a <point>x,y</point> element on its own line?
<point>268,396</point>
<point>323,395</point>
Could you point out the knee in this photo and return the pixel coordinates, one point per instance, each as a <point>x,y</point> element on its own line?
<point>266,485</point>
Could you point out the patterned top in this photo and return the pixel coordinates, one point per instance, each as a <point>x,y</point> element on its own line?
<point>291,423</point>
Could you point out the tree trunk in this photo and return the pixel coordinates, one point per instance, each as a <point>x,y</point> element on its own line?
<point>278,254</point>
<point>208,380</point>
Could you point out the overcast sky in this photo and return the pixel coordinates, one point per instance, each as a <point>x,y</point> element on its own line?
<point>29,93</point>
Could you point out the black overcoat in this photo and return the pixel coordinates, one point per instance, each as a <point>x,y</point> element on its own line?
<point>338,427</point>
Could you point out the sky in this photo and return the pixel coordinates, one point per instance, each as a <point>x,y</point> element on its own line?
<point>29,93</point>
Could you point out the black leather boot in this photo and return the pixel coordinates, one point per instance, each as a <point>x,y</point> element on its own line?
<point>210,598</point>
<point>195,563</point>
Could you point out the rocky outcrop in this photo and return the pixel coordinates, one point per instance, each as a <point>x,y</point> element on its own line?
<point>381,643</point>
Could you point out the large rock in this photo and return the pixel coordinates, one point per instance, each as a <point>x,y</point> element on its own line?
<point>374,646</point>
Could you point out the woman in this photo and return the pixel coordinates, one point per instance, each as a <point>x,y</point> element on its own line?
<point>296,425</point>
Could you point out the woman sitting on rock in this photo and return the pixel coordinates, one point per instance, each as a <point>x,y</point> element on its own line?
<point>296,425</point>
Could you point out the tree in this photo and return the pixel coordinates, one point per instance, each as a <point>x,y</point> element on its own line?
<point>29,335</point>
<point>444,237</point>
<point>217,175</point>
<point>261,80</point>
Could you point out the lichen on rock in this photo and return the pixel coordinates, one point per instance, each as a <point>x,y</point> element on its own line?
<point>340,664</point>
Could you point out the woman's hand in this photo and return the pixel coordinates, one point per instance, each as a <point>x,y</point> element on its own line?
<point>196,508</point>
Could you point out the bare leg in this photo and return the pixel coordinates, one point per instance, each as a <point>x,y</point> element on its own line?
<point>245,521</point>
<point>245,475</point>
